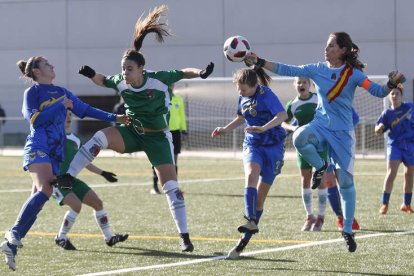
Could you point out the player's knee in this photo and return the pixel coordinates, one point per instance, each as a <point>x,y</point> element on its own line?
<point>345,179</point>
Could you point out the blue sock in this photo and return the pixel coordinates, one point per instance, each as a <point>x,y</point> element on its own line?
<point>250,202</point>
<point>247,236</point>
<point>335,201</point>
<point>28,213</point>
<point>348,204</point>
<point>385,197</point>
<point>407,198</point>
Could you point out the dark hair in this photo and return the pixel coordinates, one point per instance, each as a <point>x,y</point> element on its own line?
<point>246,76</point>
<point>144,26</point>
<point>351,55</point>
<point>26,67</point>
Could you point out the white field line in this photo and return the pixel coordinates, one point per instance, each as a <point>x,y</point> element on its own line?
<point>263,251</point>
<point>218,180</point>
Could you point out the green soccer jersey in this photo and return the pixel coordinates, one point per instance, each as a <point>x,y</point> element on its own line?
<point>71,148</point>
<point>149,103</point>
<point>302,110</point>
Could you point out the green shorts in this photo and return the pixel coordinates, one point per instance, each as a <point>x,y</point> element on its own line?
<point>158,146</point>
<point>303,165</point>
<point>79,188</point>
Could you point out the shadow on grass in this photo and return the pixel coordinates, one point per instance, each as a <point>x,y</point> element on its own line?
<point>240,195</point>
<point>140,251</point>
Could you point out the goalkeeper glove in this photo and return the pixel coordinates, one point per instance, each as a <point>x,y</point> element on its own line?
<point>87,71</point>
<point>395,78</point>
<point>63,182</point>
<point>206,72</point>
<point>252,59</point>
<point>110,177</point>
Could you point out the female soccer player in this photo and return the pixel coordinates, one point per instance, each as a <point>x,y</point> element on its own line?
<point>301,109</point>
<point>332,128</point>
<point>263,148</point>
<point>81,193</point>
<point>399,120</point>
<point>147,98</point>
<point>44,107</point>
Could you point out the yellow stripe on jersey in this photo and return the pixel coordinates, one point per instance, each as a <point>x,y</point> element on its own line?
<point>340,84</point>
<point>49,102</point>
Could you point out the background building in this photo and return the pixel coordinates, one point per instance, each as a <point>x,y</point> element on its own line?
<point>71,33</point>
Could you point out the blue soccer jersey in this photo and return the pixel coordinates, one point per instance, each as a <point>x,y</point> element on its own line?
<point>400,123</point>
<point>43,109</point>
<point>335,88</point>
<point>258,110</point>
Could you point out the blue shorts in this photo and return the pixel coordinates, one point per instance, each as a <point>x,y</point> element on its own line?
<point>269,158</point>
<point>403,152</point>
<point>39,156</point>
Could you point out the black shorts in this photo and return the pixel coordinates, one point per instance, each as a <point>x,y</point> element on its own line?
<point>176,137</point>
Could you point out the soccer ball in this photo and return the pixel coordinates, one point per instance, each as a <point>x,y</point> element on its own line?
<point>235,48</point>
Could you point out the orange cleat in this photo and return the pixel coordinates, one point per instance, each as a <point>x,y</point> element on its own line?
<point>384,209</point>
<point>340,223</point>
<point>406,208</point>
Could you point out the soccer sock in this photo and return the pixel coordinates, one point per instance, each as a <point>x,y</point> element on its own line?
<point>307,201</point>
<point>28,214</point>
<point>176,203</point>
<point>322,197</point>
<point>103,222</point>
<point>250,202</point>
<point>87,153</point>
<point>68,221</point>
<point>247,236</point>
<point>335,201</point>
<point>154,179</point>
<point>407,198</point>
<point>385,197</point>
<point>348,204</point>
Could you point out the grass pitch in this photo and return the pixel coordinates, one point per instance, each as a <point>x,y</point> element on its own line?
<point>214,196</point>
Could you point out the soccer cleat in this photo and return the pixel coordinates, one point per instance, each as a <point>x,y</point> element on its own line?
<point>250,226</point>
<point>340,223</point>
<point>317,226</point>
<point>9,250</point>
<point>116,238</point>
<point>406,208</point>
<point>308,223</point>
<point>64,243</point>
<point>350,241</point>
<point>11,237</point>
<point>318,175</point>
<point>235,252</point>
<point>185,243</point>
<point>384,209</point>
<point>155,191</point>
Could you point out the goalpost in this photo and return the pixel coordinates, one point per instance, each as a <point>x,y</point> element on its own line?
<point>213,102</point>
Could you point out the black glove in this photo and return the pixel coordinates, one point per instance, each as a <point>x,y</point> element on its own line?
<point>394,79</point>
<point>63,182</point>
<point>87,71</point>
<point>206,72</point>
<point>110,177</point>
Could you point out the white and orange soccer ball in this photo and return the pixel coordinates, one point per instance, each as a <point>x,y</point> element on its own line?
<point>235,48</point>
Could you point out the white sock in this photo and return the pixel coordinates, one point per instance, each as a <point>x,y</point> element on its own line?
<point>87,153</point>
<point>307,201</point>
<point>322,198</point>
<point>103,222</point>
<point>177,205</point>
<point>68,221</point>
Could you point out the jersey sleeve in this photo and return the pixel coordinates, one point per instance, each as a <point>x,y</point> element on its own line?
<point>303,71</point>
<point>273,104</point>
<point>168,77</point>
<point>112,81</point>
<point>382,119</point>
<point>373,88</point>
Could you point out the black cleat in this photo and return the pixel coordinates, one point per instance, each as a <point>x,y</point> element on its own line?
<point>318,175</point>
<point>65,244</point>
<point>350,241</point>
<point>117,238</point>
<point>185,243</point>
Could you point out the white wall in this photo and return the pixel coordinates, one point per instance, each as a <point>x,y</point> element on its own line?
<point>96,32</point>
